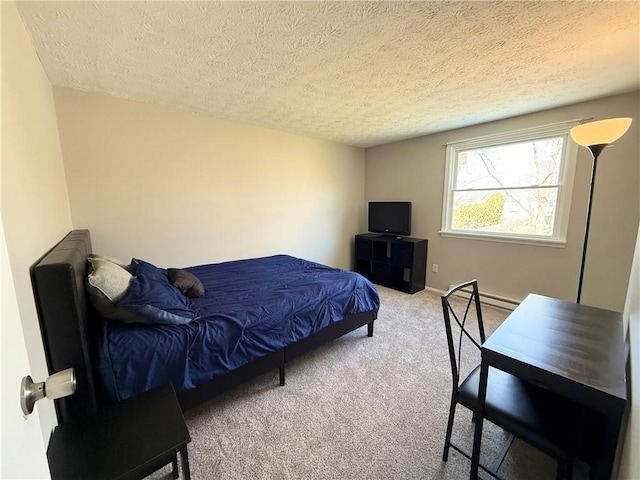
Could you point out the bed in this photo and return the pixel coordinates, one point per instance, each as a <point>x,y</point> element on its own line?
<point>255,315</point>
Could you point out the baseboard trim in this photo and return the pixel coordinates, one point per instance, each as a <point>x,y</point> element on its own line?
<point>487,298</point>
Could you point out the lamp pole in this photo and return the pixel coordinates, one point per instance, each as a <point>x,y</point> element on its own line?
<point>595,152</point>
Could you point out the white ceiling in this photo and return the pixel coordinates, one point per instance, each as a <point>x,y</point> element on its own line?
<point>360,73</point>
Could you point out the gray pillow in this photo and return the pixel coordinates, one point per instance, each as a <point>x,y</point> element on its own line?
<point>186,282</point>
<point>108,278</point>
<point>120,263</point>
<point>107,282</point>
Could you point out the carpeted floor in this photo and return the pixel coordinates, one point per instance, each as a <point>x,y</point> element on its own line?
<point>357,408</point>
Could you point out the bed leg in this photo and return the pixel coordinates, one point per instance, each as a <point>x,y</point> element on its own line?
<point>370,329</point>
<point>281,368</point>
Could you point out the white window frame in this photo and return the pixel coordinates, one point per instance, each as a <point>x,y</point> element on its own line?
<point>565,184</point>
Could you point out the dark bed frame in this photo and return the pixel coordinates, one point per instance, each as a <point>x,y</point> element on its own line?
<point>70,329</point>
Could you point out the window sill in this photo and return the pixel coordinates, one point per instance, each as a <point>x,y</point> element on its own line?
<point>492,237</point>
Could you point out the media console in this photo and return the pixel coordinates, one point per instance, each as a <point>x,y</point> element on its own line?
<point>395,262</point>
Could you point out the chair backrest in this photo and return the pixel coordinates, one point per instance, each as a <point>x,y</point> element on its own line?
<point>463,321</point>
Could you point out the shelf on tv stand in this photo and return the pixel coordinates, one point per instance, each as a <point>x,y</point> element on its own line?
<point>392,261</point>
<point>387,236</point>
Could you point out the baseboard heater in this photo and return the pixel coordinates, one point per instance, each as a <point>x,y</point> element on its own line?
<point>494,300</point>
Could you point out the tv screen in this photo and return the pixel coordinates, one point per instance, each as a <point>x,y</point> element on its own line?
<point>392,218</point>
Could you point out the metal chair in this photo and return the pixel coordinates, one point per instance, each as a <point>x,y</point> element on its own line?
<point>537,416</point>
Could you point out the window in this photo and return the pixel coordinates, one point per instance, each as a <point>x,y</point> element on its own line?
<point>513,187</point>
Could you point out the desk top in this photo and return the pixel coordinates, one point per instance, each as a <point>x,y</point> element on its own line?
<point>582,347</point>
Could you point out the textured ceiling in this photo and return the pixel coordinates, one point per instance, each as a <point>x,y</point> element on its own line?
<point>360,73</point>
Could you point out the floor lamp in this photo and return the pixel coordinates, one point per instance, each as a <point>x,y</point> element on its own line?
<point>595,136</point>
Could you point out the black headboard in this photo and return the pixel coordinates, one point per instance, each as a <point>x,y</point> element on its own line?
<point>67,325</point>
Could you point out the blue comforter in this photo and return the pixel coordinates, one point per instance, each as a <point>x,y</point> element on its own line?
<point>250,308</point>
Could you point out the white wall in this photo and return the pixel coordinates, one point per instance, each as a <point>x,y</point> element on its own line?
<point>35,207</point>
<point>630,466</point>
<point>179,189</point>
<point>414,170</point>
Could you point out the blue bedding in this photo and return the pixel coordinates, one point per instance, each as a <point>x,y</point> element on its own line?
<point>250,308</point>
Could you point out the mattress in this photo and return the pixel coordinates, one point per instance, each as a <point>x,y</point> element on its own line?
<point>250,308</point>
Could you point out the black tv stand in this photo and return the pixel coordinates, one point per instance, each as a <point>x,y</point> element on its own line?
<point>392,261</point>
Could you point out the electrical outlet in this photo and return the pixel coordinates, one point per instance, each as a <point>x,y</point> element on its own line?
<point>434,268</point>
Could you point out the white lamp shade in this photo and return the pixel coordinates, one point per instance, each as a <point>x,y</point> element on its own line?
<point>602,132</point>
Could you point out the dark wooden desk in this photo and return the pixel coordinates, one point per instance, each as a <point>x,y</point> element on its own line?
<point>124,441</point>
<point>575,350</point>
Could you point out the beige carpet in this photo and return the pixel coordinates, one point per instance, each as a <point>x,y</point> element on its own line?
<point>357,408</point>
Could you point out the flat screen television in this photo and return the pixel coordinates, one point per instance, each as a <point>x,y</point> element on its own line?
<point>390,218</point>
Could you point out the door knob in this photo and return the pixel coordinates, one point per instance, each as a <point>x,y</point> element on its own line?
<point>58,385</point>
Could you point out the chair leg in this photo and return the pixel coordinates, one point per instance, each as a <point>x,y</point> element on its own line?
<point>174,467</point>
<point>186,472</point>
<point>503,453</point>
<point>447,438</point>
